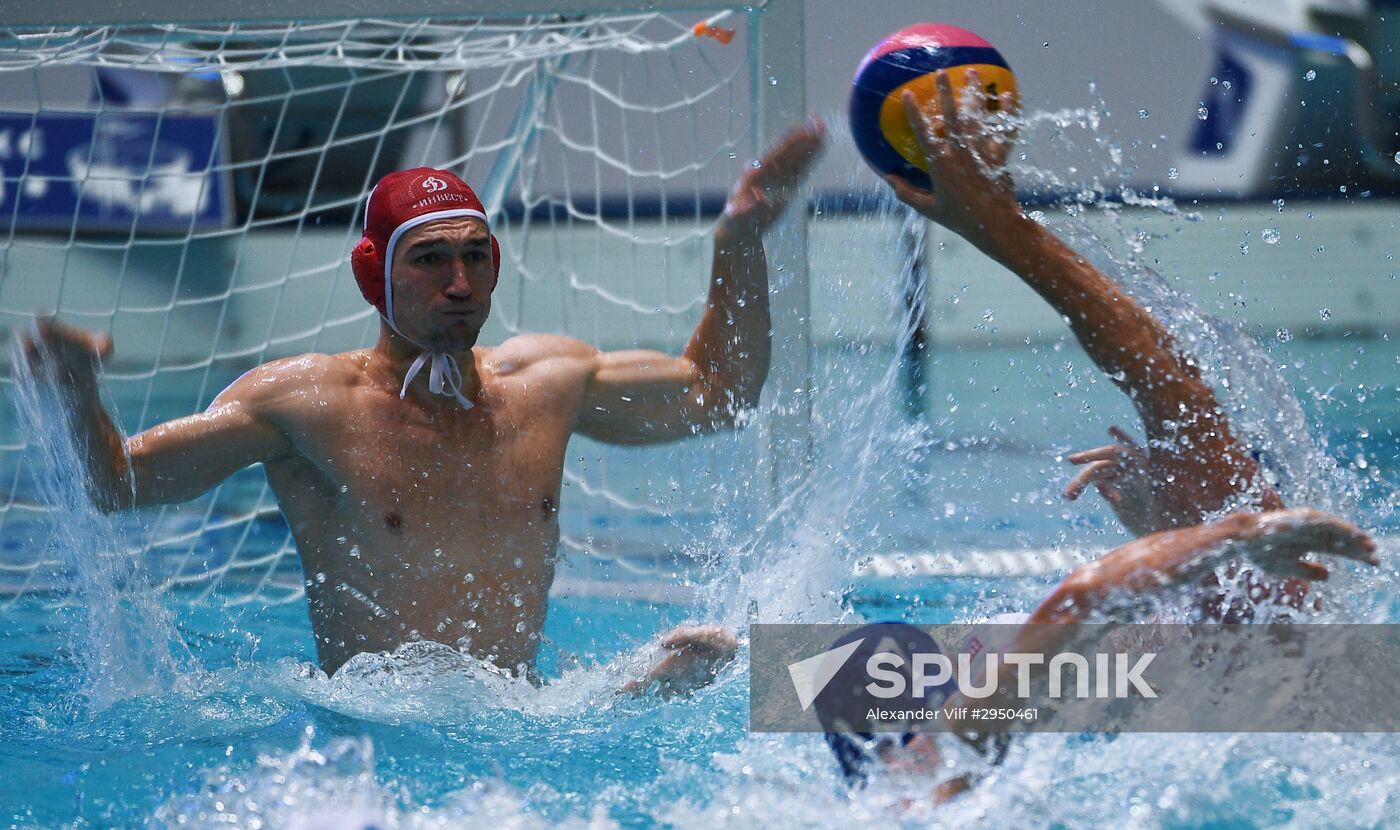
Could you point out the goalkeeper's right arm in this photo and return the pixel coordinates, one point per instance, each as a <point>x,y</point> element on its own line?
<point>173,462</point>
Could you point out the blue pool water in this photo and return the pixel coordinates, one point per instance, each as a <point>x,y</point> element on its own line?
<point>248,733</point>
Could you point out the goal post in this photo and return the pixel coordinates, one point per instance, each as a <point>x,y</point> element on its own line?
<point>192,180</point>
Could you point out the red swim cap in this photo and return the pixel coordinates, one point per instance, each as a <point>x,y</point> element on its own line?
<point>401,201</point>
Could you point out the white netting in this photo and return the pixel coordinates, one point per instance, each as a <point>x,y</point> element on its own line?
<point>196,189</point>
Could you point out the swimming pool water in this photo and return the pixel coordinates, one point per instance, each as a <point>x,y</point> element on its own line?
<point>250,734</point>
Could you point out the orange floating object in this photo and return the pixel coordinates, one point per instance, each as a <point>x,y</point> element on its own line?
<point>719,33</point>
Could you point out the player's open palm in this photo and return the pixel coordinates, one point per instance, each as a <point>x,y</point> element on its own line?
<point>70,353</point>
<point>1121,473</point>
<point>765,191</point>
<point>1284,536</point>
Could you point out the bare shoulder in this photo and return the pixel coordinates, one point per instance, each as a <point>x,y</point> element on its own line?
<point>535,351</point>
<point>281,386</point>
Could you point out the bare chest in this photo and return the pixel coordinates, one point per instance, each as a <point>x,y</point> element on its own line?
<point>419,476</point>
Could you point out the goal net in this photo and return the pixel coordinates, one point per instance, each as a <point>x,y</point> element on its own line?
<point>195,190</point>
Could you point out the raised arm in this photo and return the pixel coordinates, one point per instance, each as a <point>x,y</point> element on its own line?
<point>639,397</point>
<point>1188,434</point>
<point>173,462</point>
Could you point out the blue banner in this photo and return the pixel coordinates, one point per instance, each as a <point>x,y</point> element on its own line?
<point>110,171</point>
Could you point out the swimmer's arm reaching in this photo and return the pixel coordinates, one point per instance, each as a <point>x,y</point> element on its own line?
<point>639,397</point>
<point>1196,464</point>
<point>173,462</point>
<point>1275,541</point>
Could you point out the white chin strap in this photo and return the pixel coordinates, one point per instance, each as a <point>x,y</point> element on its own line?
<point>444,375</point>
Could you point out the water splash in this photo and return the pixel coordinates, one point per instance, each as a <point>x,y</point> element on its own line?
<point>128,644</point>
<point>331,785</point>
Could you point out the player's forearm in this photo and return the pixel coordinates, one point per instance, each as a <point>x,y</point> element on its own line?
<point>1152,563</point>
<point>1083,295</point>
<point>108,467</point>
<point>732,347</point>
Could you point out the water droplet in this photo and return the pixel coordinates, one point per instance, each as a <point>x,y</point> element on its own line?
<point>1325,314</point>
<point>517,600</point>
<point>1173,173</point>
<point>1202,113</point>
<point>1144,114</point>
<point>519,563</point>
<point>344,488</point>
<point>1397,158</point>
<point>1045,45</point>
<point>772,81</point>
<point>1283,335</point>
<point>1244,247</point>
<point>1361,462</point>
<point>755,164</point>
<point>1270,235</point>
<point>320,578</point>
<point>520,627</point>
<point>1226,84</point>
<point>1321,249</point>
<point>988,316</point>
<point>354,551</point>
<point>1278,203</point>
<point>1310,74</point>
<point>1214,80</point>
<point>341,539</point>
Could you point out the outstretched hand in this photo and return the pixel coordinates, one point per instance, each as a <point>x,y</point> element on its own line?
<point>964,151</point>
<point>1282,537</point>
<point>765,191</point>
<point>1121,473</point>
<point>70,352</point>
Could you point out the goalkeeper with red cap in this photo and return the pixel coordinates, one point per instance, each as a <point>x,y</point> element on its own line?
<point>421,476</point>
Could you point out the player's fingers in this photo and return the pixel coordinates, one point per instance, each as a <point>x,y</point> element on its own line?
<point>1109,492</point>
<point>707,637</point>
<point>1303,569</point>
<point>921,200</point>
<point>1007,104</point>
<point>1347,540</point>
<point>924,127</point>
<point>795,151</point>
<point>948,104</point>
<point>1121,435</point>
<point>1086,476</point>
<point>1105,453</point>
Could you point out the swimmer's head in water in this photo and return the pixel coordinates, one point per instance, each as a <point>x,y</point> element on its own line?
<point>399,203</point>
